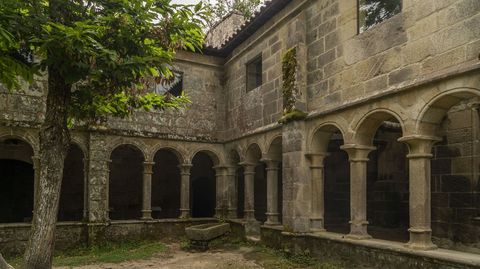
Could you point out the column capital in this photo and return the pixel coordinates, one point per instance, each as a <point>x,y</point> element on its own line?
<point>316,159</point>
<point>219,168</point>
<point>148,167</point>
<point>185,168</point>
<point>357,153</point>
<point>271,164</point>
<point>248,167</point>
<point>419,146</point>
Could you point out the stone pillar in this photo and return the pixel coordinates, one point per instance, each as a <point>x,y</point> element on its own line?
<point>420,148</point>
<point>296,178</point>
<point>107,189</point>
<point>185,190</point>
<point>147,191</point>
<point>249,175</point>
<point>272,192</point>
<point>36,179</point>
<point>85,188</point>
<point>358,157</point>
<point>232,193</point>
<point>220,191</point>
<point>318,193</point>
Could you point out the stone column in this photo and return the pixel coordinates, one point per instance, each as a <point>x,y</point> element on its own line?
<point>249,176</point>
<point>318,194</point>
<point>420,148</point>
<point>220,191</point>
<point>85,188</point>
<point>36,179</point>
<point>358,157</point>
<point>232,193</point>
<point>185,190</point>
<point>272,192</point>
<point>147,190</point>
<point>107,189</point>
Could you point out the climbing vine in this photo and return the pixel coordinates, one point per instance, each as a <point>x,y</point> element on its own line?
<point>290,89</point>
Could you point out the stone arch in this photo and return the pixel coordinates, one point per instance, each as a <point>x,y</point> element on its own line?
<point>215,156</point>
<point>17,179</point>
<point>176,151</point>
<point>166,183</point>
<point>203,183</point>
<point>433,112</point>
<point>368,125</point>
<point>72,195</point>
<point>125,182</point>
<point>321,136</point>
<point>134,143</point>
<point>253,154</point>
<point>30,141</point>
<point>77,142</point>
<point>274,151</point>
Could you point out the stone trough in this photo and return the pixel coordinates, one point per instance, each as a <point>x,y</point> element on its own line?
<point>201,235</point>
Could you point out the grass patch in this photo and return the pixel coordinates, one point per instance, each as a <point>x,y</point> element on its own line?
<point>270,258</point>
<point>106,253</point>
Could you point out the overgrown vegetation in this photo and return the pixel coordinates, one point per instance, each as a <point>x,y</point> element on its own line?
<point>107,253</point>
<point>290,90</point>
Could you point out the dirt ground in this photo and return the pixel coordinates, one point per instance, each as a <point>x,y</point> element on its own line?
<point>176,258</point>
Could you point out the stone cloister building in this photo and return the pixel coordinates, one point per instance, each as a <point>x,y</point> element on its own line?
<point>384,166</point>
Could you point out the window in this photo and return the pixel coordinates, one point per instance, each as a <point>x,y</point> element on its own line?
<point>173,86</point>
<point>373,12</point>
<point>254,74</point>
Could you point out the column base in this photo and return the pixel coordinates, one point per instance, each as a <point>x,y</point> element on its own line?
<point>146,214</point>
<point>316,225</point>
<point>358,230</point>
<point>249,215</point>
<point>272,219</point>
<point>420,239</point>
<point>184,213</point>
<point>232,213</point>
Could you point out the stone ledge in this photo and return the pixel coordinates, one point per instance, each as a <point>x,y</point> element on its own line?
<point>457,257</point>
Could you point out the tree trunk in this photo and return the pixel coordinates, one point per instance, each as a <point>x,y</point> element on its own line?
<point>4,264</point>
<point>54,143</point>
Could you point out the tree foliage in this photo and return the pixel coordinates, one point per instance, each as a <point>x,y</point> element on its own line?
<point>108,52</point>
<point>221,8</point>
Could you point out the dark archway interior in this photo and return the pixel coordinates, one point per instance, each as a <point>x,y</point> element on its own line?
<point>203,187</point>
<point>260,190</point>
<point>71,195</point>
<point>16,181</point>
<point>387,185</point>
<point>241,192</point>
<point>166,184</point>
<point>126,180</point>
<point>337,187</point>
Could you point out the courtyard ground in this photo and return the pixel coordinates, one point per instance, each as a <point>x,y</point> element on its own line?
<point>225,253</point>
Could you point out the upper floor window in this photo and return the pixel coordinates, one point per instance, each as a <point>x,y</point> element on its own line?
<point>254,73</point>
<point>173,86</point>
<point>373,12</point>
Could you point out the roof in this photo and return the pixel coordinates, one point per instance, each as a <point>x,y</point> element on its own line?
<point>259,18</point>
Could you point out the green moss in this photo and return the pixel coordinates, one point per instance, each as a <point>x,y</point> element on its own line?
<point>292,116</point>
<point>290,90</point>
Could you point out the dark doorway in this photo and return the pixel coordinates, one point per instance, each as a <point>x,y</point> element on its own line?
<point>387,185</point>
<point>126,181</point>
<point>166,184</point>
<point>260,189</point>
<point>203,187</point>
<point>71,196</point>
<point>17,179</point>
<point>337,187</point>
<point>16,191</point>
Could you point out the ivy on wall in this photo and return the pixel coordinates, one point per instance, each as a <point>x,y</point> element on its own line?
<point>290,89</point>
